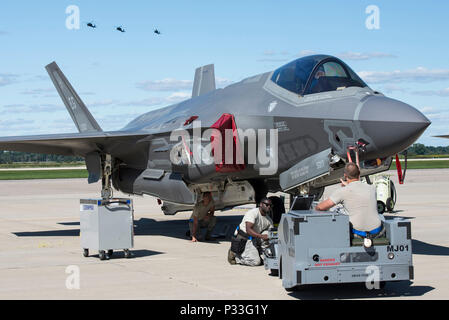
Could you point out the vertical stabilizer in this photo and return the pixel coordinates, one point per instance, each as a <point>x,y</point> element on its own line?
<point>83,119</point>
<point>204,80</point>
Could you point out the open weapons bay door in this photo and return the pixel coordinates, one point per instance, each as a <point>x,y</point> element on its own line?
<point>226,147</point>
<point>309,169</point>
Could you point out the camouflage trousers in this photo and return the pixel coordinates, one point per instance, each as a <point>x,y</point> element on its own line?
<point>209,224</point>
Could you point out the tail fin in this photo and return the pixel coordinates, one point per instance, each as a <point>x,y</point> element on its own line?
<point>204,80</point>
<point>83,119</point>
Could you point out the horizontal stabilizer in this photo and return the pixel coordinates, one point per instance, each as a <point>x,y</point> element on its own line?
<point>204,80</point>
<point>311,168</point>
<point>83,119</point>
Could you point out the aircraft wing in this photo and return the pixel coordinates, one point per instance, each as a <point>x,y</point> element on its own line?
<point>447,137</point>
<point>73,144</point>
<point>90,142</point>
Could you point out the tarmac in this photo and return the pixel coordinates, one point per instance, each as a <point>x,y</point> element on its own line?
<point>40,248</point>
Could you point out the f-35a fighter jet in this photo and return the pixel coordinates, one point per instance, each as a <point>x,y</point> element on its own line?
<point>291,130</point>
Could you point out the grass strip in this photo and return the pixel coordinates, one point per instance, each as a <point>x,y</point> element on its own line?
<point>43,174</point>
<point>42,164</point>
<point>431,164</point>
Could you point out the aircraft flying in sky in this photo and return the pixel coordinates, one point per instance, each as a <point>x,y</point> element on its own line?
<point>91,25</point>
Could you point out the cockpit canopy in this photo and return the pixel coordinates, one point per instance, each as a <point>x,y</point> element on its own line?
<point>315,74</point>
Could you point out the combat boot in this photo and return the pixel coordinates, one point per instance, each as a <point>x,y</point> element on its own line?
<point>231,257</point>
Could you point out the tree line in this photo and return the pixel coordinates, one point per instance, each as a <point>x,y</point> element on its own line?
<point>15,156</point>
<point>421,150</point>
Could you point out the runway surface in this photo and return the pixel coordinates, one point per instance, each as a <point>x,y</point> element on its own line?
<point>39,236</point>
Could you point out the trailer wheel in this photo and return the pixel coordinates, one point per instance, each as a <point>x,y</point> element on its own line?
<point>102,255</point>
<point>380,207</point>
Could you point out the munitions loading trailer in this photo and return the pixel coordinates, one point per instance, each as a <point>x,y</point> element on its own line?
<point>317,247</point>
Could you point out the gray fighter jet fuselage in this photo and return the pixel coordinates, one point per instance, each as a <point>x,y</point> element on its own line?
<point>289,130</point>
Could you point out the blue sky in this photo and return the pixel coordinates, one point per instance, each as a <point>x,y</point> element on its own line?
<point>121,75</point>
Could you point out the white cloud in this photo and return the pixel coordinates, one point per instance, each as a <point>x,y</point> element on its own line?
<point>389,88</point>
<point>304,53</point>
<point>21,108</point>
<point>16,127</point>
<point>441,93</point>
<point>173,85</point>
<point>419,74</point>
<point>179,96</point>
<point>42,77</point>
<point>364,56</point>
<point>87,93</point>
<point>223,82</point>
<point>437,116</point>
<point>165,85</point>
<point>37,92</point>
<point>350,55</point>
<point>427,109</point>
<point>434,113</point>
<point>102,103</point>
<point>158,101</point>
<point>148,102</point>
<point>269,53</point>
<point>273,60</point>
<point>7,79</point>
<point>273,54</point>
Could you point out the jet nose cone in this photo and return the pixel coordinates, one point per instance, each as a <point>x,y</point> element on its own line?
<point>392,125</point>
